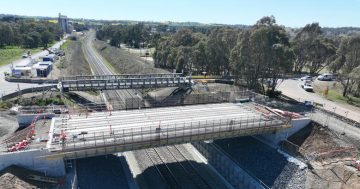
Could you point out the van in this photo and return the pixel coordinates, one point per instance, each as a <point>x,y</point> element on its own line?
<point>326,77</point>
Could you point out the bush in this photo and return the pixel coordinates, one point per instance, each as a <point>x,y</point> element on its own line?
<point>4,105</point>
<point>273,94</point>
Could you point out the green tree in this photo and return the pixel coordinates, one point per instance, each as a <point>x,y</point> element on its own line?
<point>46,38</point>
<point>347,62</point>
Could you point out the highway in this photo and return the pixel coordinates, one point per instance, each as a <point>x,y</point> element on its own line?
<point>292,88</point>
<point>98,66</point>
<point>10,87</point>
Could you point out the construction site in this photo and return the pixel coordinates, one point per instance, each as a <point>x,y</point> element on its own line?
<point>165,130</point>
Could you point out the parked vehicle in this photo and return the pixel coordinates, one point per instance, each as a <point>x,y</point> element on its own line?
<point>326,77</point>
<point>307,86</point>
<point>306,78</point>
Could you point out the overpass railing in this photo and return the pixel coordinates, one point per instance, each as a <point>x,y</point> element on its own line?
<point>122,76</point>
<point>100,143</point>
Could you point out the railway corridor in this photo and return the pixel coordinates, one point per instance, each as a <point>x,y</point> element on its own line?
<point>116,98</point>
<point>175,167</point>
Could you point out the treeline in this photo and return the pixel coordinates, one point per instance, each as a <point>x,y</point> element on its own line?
<point>28,33</point>
<point>263,54</point>
<point>132,35</point>
<point>258,55</point>
<point>142,35</point>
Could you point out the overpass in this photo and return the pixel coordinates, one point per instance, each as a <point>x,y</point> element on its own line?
<point>78,136</point>
<point>126,81</point>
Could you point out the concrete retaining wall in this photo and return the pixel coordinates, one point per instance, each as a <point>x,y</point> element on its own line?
<point>31,159</point>
<point>28,90</point>
<point>234,174</point>
<point>274,138</point>
<point>39,81</point>
<point>26,119</point>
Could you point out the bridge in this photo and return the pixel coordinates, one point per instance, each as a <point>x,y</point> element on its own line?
<point>78,136</point>
<point>126,81</point>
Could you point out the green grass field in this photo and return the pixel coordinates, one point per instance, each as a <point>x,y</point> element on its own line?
<point>12,53</point>
<point>335,93</point>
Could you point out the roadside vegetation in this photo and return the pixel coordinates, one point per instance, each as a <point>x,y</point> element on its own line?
<point>18,35</point>
<point>258,56</point>
<point>335,93</point>
<point>74,63</point>
<point>123,61</point>
<point>9,54</point>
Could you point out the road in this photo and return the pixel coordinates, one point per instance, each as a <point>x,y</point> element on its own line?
<point>98,66</point>
<point>10,87</point>
<point>292,88</point>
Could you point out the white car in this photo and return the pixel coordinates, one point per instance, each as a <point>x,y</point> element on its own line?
<point>326,77</point>
<point>306,78</point>
<point>307,86</point>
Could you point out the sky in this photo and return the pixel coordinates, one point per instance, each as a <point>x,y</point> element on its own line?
<point>292,13</point>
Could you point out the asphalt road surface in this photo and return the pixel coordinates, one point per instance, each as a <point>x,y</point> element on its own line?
<point>10,87</point>
<point>292,88</point>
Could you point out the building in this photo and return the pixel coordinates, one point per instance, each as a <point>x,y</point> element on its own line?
<point>42,69</point>
<point>64,23</point>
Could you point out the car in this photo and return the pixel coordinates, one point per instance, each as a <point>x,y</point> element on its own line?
<point>306,78</point>
<point>326,77</point>
<point>25,55</point>
<point>307,86</point>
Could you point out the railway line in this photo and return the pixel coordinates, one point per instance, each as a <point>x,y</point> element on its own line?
<point>116,98</point>
<point>176,168</point>
<point>172,164</point>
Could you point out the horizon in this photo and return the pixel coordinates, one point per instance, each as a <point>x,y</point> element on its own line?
<point>331,13</point>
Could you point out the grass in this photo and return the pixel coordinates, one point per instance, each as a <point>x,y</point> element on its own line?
<point>66,44</point>
<point>5,105</point>
<point>336,96</point>
<point>335,93</point>
<point>9,54</point>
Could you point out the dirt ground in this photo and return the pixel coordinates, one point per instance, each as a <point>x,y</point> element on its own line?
<point>329,157</point>
<point>15,177</point>
<point>125,62</point>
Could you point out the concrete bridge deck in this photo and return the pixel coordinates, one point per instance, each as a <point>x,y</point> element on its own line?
<point>105,133</point>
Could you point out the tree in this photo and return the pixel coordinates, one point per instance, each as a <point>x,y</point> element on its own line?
<point>220,42</point>
<point>46,38</point>
<point>6,34</point>
<point>312,50</point>
<point>348,59</point>
<point>262,53</point>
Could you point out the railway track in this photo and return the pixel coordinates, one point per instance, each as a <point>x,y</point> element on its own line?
<point>175,168</point>
<point>188,167</point>
<point>162,168</point>
<point>118,98</point>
